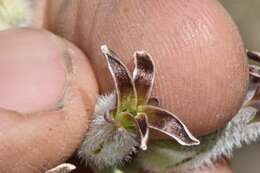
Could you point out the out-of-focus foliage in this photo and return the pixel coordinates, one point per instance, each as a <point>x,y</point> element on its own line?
<point>246,14</point>
<point>13,13</point>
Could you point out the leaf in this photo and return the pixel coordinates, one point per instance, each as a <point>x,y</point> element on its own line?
<point>143,76</point>
<point>141,124</point>
<point>167,123</point>
<point>124,85</point>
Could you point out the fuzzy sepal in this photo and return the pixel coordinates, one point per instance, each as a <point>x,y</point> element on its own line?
<point>105,145</point>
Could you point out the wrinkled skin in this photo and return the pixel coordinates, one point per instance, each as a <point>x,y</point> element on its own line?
<point>46,102</point>
<point>201,72</point>
<point>196,48</point>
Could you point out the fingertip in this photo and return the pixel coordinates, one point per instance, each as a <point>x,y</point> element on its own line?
<point>36,69</point>
<point>47,124</point>
<point>32,71</point>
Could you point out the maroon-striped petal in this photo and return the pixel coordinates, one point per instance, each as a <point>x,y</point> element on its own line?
<point>253,55</point>
<point>167,123</point>
<point>141,125</point>
<point>252,90</point>
<point>143,76</point>
<point>254,71</point>
<point>124,85</point>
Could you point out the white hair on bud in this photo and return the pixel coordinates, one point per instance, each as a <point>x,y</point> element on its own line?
<point>106,145</point>
<point>238,131</point>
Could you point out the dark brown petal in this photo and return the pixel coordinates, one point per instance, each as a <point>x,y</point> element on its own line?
<point>254,71</point>
<point>62,168</point>
<point>167,123</point>
<point>142,121</point>
<point>124,85</point>
<point>154,101</point>
<point>253,55</point>
<point>143,76</point>
<point>252,90</point>
<point>141,124</point>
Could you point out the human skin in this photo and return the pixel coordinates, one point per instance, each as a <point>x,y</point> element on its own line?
<point>201,70</point>
<point>196,47</point>
<point>46,100</point>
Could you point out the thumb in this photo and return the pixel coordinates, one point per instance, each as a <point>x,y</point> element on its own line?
<point>47,96</point>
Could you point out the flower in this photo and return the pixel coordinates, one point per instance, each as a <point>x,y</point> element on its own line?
<point>122,120</point>
<point>135,109</point>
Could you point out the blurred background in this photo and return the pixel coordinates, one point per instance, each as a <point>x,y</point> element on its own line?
<point>246,14</point>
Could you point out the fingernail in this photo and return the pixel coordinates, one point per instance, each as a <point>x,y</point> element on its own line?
<point>32,70</point>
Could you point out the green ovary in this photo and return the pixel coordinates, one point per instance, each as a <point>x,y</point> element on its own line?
<point>127,105</point>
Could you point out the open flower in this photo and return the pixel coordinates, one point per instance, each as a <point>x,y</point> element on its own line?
<point>124,118</point>
<point>135,108</point>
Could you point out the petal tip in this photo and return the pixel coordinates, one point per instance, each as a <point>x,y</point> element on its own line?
<point>196,142</point>
<point>193,141</point>
<point>104,48</point>
<point>140,52</point>
<point>143,146</point>
<point>65,167</point>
